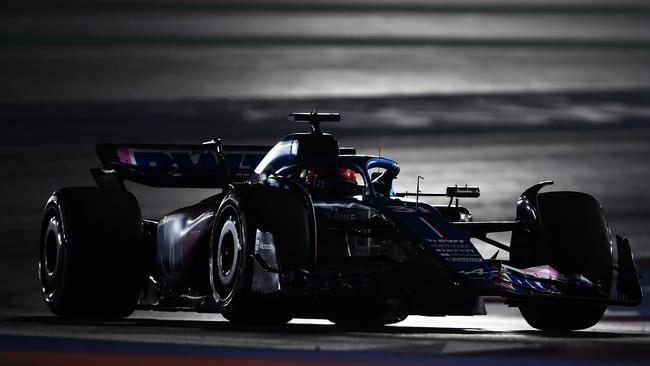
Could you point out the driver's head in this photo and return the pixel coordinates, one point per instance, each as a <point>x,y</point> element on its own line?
<point>332,180</point>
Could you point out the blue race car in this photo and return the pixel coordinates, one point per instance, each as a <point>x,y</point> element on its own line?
<point>310,229</point>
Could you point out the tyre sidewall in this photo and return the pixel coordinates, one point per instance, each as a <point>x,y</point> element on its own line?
<point>101,263</point>
<point>53,284</point>
<point>576,240</point>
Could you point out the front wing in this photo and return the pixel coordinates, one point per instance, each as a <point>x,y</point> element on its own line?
<point>545,283</point>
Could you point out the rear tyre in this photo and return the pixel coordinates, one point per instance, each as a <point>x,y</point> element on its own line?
<point>576,241</point>
<point>91,254</point>
<point>231,268</point>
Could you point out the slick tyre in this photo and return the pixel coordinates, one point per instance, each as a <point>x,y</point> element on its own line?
<point>576,241</point>
<point>231,267</point>
<point>91,253</point>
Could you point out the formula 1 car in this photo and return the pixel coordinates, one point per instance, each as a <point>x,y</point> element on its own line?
<point>310,229</point>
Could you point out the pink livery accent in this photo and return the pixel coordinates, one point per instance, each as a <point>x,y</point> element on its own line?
<point>544,271</point>
<point>124,155</point>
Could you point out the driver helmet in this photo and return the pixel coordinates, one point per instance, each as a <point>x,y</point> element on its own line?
<point>332,180</point>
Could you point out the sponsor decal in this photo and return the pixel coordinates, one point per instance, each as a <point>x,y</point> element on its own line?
<point>456,250</point>
<point>456,259</point>
<point>343,211</point>
<point>447,242</point>
<point>450,243</point>
<point>265,248</point>
<point>343,216</point>
<point>263,241</point>
<point>172,162</point>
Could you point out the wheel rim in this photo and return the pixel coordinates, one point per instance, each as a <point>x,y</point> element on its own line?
<point>225,259</point>
<point>51,257</point>
<point>52,246</point>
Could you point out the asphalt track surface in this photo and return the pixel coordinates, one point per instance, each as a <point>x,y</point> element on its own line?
<point>499,96</point>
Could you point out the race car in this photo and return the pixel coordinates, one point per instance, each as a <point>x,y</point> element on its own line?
<point>310,229</point>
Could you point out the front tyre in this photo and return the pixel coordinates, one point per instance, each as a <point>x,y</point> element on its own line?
<point>576,241</point>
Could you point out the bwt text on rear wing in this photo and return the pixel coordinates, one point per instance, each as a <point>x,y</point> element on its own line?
<point>207,165</point>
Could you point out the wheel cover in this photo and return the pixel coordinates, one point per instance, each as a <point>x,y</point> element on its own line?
<point>225,260</point>
<point>50,264</point>
<point>228,251</point>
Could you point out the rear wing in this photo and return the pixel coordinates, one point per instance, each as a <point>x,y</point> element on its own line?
<point>207,165</point>
<point>243,159</point>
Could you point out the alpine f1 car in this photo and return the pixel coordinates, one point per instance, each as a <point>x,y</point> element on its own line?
<point>311,229</point>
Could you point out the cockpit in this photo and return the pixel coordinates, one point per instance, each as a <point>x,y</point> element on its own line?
<point>345,176</point>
